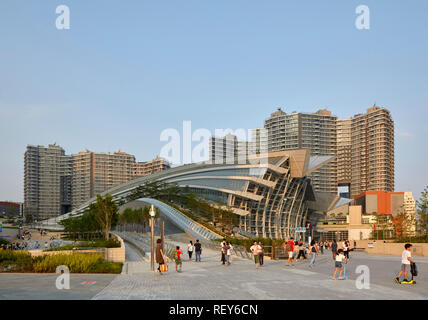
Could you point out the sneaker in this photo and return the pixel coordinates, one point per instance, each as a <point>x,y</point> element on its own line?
<point>397,280</point>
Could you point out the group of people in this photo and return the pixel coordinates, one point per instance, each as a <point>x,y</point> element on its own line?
<point>226,252</point>
<point>191,247</point>
<point>296,250</point>
<point>28,245</point>
<point>25,235</point>
<point>258,252</point>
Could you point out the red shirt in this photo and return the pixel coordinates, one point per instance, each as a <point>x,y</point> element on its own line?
<point>291,245</point>
<point>178,254</point>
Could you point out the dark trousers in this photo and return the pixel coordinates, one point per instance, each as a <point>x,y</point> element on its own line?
<point>190,254</point>
<point>301,254</point>
<point>261,255</point>
<point>223,258</point>
<point>159,266</point>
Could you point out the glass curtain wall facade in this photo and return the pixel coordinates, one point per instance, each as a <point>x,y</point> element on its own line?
<point>270,197</point>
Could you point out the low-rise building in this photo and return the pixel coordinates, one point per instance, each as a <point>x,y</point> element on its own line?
<point>10,209</point>
<point>369,211</point>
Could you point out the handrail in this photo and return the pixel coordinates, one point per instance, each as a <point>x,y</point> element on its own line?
<point>182,221</point>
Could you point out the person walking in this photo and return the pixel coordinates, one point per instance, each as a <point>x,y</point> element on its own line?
<point>406,260</point>
<point>198,250</point>
<point>232,251</point>
<point>261,254</point>
<point>229,253</point>
<point>313,249</point>
<point>224,253</point>
<point>289,248</point>
<point>223,257</point>
<point>334,249</point>
<point>255,251</point>
<point>338,264</point>
<point>301,251</point>
<point>177,258</point>
<point>160,257</point>
<point>346,249</point>
<point>190,249</point>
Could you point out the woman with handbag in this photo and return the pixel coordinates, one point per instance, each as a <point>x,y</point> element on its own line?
<point>160,257</point>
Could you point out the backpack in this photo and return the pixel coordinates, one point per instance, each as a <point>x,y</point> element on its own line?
<point>175,255</point>
<point>287,247</point>
<point>413,269</point>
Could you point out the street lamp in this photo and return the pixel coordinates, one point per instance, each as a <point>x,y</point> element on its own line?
<point>152,213</point>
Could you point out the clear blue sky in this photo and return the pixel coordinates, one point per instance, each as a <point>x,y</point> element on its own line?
<point>126,70</point>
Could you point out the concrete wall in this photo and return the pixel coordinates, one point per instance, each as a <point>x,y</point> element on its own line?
<point>357,234</point>
<point>397,201</point>
<point>371,203</point>
<point>355,215</point>
<point>110,254</point>
<point>390,248</point>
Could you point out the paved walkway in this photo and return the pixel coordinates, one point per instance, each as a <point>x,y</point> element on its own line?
<point>210,279</point>
<point>41,286</point>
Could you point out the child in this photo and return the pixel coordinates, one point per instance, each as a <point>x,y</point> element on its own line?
<point>406,259</point>
<point>177,259</point>
<point>338,263</point>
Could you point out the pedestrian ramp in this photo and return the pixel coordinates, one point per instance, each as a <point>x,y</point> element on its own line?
<point>181,221</point>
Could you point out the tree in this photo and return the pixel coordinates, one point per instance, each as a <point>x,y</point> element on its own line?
<point>422,220</point>
<point>104,211</point>
<point>28,218</point>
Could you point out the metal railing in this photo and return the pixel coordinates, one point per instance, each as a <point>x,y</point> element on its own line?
<point>182,221</point>
<point>138,239</point>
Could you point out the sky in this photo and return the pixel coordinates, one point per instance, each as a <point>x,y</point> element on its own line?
<point>127,70</point>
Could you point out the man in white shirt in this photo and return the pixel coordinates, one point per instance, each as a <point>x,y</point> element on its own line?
<point>255,250</point>
<point>190,249</point>
<point>406,259</point>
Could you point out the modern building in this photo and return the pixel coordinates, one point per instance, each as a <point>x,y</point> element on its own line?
<point>227,149</point>
<point>363,145</point>
<point>259,142</point>
<point>381,202</point>
<point>315,131</point>
<point>54,182</point>
<point>11,209</point>
<point>47,181</point>
<point>93,173</point>
<point>372,157</point>
<point>344,154</point>
<point>357,219</point>
<point>140,169</point>
<point>271,198</point>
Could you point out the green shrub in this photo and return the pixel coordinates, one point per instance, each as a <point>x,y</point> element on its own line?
<point>419,239</point>
<point>77,263</point>
<point>20,261</point>
<point>3,241</point>
<point>111,243</point>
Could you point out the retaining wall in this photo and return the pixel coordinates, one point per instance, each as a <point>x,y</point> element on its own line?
<point>110,254</point>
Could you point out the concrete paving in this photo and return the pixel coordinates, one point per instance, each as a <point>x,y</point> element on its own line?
<point>210,279</point>
<point>41,286</point>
